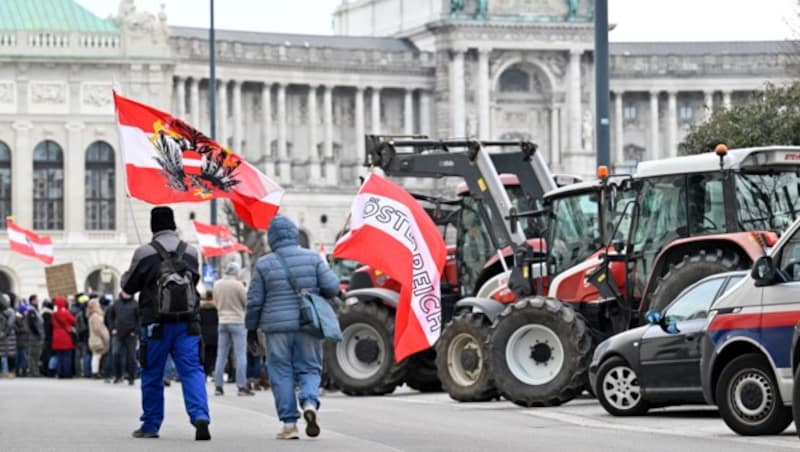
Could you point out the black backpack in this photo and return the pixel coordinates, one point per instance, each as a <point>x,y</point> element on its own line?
<point>175,289</point>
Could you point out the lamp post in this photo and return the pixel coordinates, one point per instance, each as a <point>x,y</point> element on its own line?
<point>601,82</point>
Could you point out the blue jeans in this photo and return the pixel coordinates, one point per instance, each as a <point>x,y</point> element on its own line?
<point>231,334</point>
<point>64,365</point>
<point>22,359</point>
<point>4,364</point>
<point>171,339</point>
<point>294,359</point>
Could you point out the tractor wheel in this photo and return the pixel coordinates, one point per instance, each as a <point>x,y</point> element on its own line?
<point>421,372</point>
<point>691,269</point>
<point>462,359</point>
<point>363,362</point>
<point>539,352</point>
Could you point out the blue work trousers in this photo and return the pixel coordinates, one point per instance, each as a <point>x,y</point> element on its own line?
<point>294,359</point>
<point>173,339</point>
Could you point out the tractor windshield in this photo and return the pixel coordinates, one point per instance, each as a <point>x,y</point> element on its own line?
<point>474,244</point>
<point>575,230</point>
<point>532,225</point>
<point>767,200</point>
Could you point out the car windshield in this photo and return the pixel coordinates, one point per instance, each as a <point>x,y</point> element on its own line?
<point>767,200</point>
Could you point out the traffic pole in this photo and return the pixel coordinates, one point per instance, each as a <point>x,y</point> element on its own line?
<point>601,88</point>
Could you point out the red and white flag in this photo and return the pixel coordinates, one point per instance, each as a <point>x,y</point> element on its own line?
<point>216,240</point>
<point>389,230</point>
<point>29,243</point>
<point>168,161</point>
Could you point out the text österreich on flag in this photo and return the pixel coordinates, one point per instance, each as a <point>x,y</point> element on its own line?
<point>29,243</point>
<point>390,231</point>
<point>168,161</point>
<point>216,240</point>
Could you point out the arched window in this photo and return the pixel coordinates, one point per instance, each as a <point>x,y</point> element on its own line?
<point>515,80</point>
<point>5,184</point>
<point>100,184</point>
<point>48,186</point>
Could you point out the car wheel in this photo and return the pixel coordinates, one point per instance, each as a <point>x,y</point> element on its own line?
<point>618,388</point>
<point>748,397</point>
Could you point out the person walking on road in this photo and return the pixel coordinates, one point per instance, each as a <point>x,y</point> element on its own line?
<point>294,358</point>
<point>8,336</point>
<point>98,335</point>
<point>63,342</point>
<point>209,326</point>
<point>35,337</point>
<point>231,299</point>
<point>123,318</point>
<point>165,273</point>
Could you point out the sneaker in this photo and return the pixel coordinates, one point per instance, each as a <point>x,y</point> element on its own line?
<point>117,381</point>
<point>219,391</point>
<point>288,432</point>
<point>245,392</point>
<point>142,434</point>
<point>201,432</point>
<point>310,415</point>
<point>130,382</point>
<point>167,382</point>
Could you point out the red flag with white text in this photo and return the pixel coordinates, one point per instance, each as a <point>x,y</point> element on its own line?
<point>29,243</point>
<point>168,161</point>
<point>216,240</point>
<point>389,230</point>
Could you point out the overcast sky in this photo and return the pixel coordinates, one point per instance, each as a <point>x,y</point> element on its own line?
<point>636,20</point>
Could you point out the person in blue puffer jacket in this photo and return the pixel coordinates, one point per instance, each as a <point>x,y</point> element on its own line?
<point>293,357</point>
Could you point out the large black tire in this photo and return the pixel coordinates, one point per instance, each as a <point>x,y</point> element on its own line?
<point>421,372</point>
<point>536,332</point>
<point>689,270</point>
<point>363,363</point>
<point>618,388</point>
<point>750,378</point>
<point>462,359</point>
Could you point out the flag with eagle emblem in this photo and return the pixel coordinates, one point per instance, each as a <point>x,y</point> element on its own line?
<point>169,161</point>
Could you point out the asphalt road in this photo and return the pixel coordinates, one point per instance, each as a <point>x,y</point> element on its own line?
<point>85,416</point>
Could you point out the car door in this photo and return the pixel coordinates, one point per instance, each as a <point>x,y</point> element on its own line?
<point>671,360</point>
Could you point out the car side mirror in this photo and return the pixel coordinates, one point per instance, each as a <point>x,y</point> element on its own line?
<point>654,317</point>
<point>763,272</point>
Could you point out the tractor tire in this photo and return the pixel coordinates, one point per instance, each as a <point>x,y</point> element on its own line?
<point>462,359</point>
<point>362,364</point>
<point>748,398</point>
<point>539,352</point>
<point>421,372</point>
<point>688,271</point>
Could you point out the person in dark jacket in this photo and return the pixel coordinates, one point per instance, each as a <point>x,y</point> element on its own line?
<point>209,323</point>
<point>35,337</point>
<point>293,357</point>
<point>48,357</point>
<point>63,345</point>
<point>23,336</point>
<point>8,336</point>
<point>160,336</point>
<point>123,320</point>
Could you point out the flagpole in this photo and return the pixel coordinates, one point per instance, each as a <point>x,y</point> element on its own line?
<point>133,219</point>
<point>212,102</point>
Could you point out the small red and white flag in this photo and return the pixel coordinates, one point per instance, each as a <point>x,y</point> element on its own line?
<point>168,161</point>
<point>29,243</point>
<point>216,240</point>
<point>410,250</point>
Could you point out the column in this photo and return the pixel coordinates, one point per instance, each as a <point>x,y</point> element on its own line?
<point>408,112</point>
<point>222,112</point>
<point>74,183</point>
<point>266,128</point>
<point>619,127</point>
<point>237,117</point>
<point>360,129</point>
<point>726,99</point>
<point>555,139</point>
<point>708,103</point>
<point>331,168</point>
<point>22,169</point>
<point>484,128</point>
<point>653,152</point>
<point>457,113</point>
<point>284,165</point>
<point>315,169</point>
<point>180,97</point>
<point>375,110</point>
<point>425,112</point>
<point>574,115</point>
<point>194,102</point>
<point>672,124</point>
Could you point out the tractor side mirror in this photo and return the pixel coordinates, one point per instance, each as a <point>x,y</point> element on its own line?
<point>763,272</point>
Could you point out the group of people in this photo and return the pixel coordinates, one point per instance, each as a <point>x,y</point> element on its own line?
<point>81,335</point>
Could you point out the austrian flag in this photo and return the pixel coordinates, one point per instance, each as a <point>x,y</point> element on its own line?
<point>389,230</point>
<point>216,240</point>
<point>168,161</point>
<point>28,243</point>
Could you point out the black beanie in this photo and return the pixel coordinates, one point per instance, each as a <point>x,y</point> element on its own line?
<point>161,219</point>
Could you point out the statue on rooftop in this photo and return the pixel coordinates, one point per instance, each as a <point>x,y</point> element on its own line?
<point>572,11</point>
<point>456,7</point>
<point>481,9</point>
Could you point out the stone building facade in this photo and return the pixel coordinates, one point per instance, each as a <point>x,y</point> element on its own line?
<point>298,106</point>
